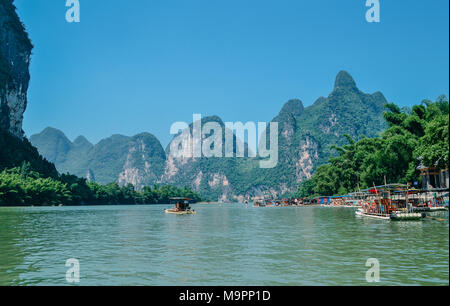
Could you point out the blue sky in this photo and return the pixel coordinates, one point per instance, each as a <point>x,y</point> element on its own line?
<point>134,66</point>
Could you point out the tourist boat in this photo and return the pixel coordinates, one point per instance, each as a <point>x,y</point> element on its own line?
<point>429,201</point>
<point>395,216</point>
<point>439,201</point>
<point>389,202</point>
<point>181,207</point>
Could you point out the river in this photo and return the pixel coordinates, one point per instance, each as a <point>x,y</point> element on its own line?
<point>221,245</point>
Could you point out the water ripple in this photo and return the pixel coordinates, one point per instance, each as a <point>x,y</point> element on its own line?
<point>221,245</point>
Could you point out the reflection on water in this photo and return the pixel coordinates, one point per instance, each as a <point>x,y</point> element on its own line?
<point>221,245</point>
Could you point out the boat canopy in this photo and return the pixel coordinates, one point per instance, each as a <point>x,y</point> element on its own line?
<point>358,194</point>
<point>387,187</point>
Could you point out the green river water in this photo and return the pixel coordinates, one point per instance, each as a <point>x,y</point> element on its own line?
<point>220,245</point>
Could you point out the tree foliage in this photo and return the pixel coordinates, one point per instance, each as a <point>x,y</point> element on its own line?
<point>14,151</point>
<point>22,186</point>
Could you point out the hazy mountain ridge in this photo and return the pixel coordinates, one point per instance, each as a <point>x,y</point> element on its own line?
<point>138,160</point>
<point>305,137</point>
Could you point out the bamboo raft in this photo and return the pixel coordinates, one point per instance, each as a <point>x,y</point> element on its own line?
<point>186,212</point>
<point>181,207</point>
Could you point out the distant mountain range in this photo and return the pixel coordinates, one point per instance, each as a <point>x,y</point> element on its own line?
<point>305,139</point>
<point>138,160</point>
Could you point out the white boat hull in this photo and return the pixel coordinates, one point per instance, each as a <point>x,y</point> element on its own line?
<point>395,216</point>
<point>363,214</point>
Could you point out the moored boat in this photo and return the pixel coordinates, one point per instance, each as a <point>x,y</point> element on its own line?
<point>380,205</point>
<point>259,204</point>
<point>429,201</point>
<point>395,216</point>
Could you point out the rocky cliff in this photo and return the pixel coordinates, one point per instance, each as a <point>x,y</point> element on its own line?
<point>15,51</point>
<point>216,178</point>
